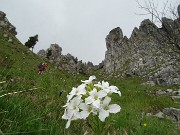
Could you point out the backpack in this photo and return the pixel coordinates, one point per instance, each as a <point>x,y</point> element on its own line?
<point>39,66</point>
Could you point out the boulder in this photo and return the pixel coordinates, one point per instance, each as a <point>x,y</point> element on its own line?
<point>42,53</point>
<point>168,25</point>
<point>173,114</point>
<point>148,27</point>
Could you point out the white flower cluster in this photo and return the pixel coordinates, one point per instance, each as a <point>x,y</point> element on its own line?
<point>90,98</point>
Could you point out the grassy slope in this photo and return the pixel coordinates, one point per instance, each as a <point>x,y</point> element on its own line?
<point>39,111</point>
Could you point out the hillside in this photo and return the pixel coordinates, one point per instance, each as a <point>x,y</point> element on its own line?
<point>35,105</point>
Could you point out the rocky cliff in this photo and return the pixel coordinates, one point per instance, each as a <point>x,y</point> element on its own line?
<point>65,62</point>
<point>149,52</point>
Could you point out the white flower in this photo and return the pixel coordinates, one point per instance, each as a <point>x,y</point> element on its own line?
<point>114,89</point>
<point>90,80</point>
<point>79,106</point>
<point>95,97</point>
<point>109,89</point>
<point>72,111</point>
<point>77,91</point>
<point>86,110</point>
<point>106,108</point>
<point>103,85</point>
<point>70,115</point>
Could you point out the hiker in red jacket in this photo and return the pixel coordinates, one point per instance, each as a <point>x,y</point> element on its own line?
<point>42,68</point>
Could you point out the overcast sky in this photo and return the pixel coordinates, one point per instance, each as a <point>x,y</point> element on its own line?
<point>78,26</point>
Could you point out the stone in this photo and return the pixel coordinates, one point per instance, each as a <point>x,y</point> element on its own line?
<point>148,27</point>
<point>42,53</point>
<point>149,114</point>
<point>173,114</point>
<point>5,35</point>
<point>2,15</point>
<point>169,91</point>
<point>10,40</point>
<point>134,33</point>
<point>150,83</point>
<point>175,97</point>
<point>159,115</point>
<point>114,36</point>
<point>160,92</point>
<point>2,24</point>
<point>168,25</point>
<point>177,93</point>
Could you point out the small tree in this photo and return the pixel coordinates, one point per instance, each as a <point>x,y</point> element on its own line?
<point>31,42</point>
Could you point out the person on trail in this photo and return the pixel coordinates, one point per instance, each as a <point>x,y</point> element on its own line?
<point>42,68</point>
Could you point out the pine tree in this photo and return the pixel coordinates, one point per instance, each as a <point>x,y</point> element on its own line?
<point>32,41</point>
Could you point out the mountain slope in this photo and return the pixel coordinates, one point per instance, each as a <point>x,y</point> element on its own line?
<point>38,109</point>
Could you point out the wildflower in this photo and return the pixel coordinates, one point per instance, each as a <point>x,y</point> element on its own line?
<point>86,110</point>
<point>72,111</point>
<point>106,108</point>
<point>90,98</point>
<point>95,97</point>
<point>109,89</point>
<point>114,89</point>
<point>144,124</point>
<point>90,80</point>
<point>77,91</point>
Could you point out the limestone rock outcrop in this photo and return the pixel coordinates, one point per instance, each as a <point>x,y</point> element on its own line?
<point>148,52</point>
<point>65,62</point>
<point>6,25</point>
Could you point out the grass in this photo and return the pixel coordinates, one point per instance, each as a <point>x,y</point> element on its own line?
<point>39,111</point>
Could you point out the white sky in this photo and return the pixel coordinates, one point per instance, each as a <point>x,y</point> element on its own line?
<point>78,26</point>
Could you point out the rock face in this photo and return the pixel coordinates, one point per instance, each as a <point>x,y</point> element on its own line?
<point>6,25</point>
<point>146,53</point>
<point>65,62</point>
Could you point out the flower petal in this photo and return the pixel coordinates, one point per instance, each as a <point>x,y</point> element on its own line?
<point>105,85</point>
<point>118,92</point>
<point>81,89</point>
<point>102,93</point>
<point>93,92</point>
<point>83,106</point>
<point>115,89</point>
<point>103,114</point>
<point>114,108</point>
<point>68,123</point>
<point>96,103</point>
<point>84,114</point>
<point>98,85</point>
<point>90,80</point>
<point>69,97</point>
<point>106,101</point>
<point>89,100</point>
